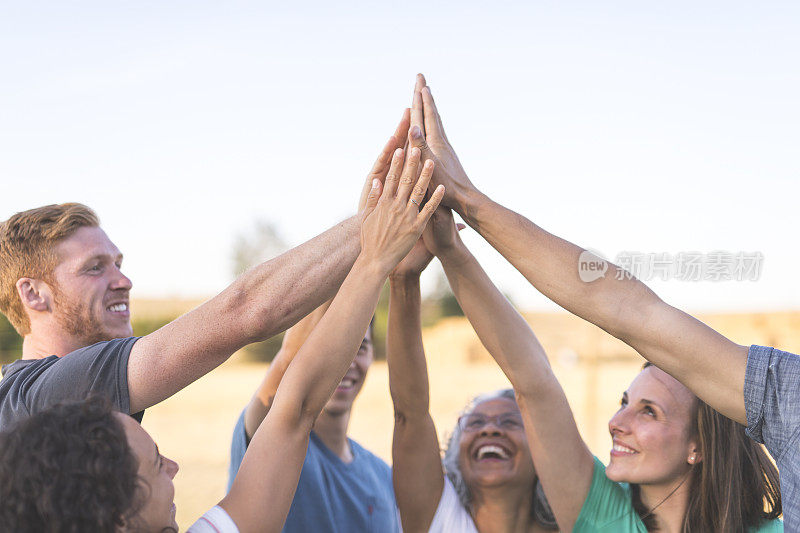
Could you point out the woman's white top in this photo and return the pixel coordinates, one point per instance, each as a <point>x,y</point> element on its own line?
<point>216,520</point>
<point>451,516</point>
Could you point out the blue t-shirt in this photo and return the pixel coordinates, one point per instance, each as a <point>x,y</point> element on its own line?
<point>772,402</point>
<point>334,496</point>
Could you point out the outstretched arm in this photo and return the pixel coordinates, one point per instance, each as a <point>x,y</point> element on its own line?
<point>262,302</point>
<point>709,364</point>
<point>294,338</point>
<point>271,466</point>
<point>549,424</point>
<point>416,464</point>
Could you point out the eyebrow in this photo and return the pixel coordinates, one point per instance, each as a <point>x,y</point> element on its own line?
<point>101,257</point>
<point>645,401</point>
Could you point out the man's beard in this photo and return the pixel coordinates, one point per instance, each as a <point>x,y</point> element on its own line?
<point>78,320</point>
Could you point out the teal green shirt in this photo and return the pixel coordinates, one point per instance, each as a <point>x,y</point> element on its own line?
<point>608,507</point>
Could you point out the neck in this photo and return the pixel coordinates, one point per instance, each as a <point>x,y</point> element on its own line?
<point>37,345</point>
<point>668,502</point>
<point>332,431</point>
<point>503,509</point>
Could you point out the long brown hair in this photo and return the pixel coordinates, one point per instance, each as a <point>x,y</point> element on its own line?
<point>733,488</point>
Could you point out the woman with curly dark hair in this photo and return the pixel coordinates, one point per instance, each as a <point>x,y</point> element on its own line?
<point>75,458</point>
<point>81,467</point>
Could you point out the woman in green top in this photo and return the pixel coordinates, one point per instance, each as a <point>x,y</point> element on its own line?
<point>676,464</point>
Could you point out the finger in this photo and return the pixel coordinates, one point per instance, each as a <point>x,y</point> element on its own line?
<point>434,201</point>
<point>393,176</point>
<point>401,132</point>
<point>416,139</point>
<point>418,193</point>
<point>421,82</point>
<point>410,173</point>
<point>374,196</point>
<point>379,169</point>
<point>433,121</point>
<point>416,106</point>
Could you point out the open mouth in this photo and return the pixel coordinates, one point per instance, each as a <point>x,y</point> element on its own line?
<point>346,384</point>
<point>118,308</point>
<point>620,450</point>
<point>492,452</point>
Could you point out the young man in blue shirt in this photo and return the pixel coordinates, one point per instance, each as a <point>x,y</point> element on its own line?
<point>342,486</point>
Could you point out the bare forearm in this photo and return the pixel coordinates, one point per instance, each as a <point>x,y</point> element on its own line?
<point>278,293</point>
<point>550,264</point>
<point>408,373</point>
<point>324,358</point>
<point>294,338</point>
<point>262,302</point>
<point>417,468</point>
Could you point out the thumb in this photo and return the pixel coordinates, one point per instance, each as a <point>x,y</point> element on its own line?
<point>417,139</point>
<point>374,196</point>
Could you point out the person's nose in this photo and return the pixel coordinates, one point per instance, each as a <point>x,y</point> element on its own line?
<point>491,427</point>
<point>620,422</point>
<point>121,281</point>
<point>171,467</point>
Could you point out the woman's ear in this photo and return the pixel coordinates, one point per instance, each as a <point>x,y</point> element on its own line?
<point>695,456</point>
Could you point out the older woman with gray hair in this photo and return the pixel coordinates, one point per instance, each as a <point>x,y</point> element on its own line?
<point>487,480</point>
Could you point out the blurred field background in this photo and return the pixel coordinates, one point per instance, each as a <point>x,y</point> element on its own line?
<point>194,427</point>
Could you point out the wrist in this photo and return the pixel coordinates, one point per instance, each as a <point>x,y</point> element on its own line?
<point>455,255</point>
<point>404,279</point>
<point>469,202</point>
<point>370,268</point>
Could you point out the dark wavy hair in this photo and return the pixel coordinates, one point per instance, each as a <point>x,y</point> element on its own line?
<point>68,469</point>
<point>735,488</point>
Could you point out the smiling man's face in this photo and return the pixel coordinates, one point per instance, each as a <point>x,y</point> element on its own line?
<point>91,296</point>
<point>345,394</point>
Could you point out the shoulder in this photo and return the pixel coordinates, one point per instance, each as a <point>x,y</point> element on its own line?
<point>608,505</point>
<point>770,526</point>
<point>770,392</point>
<point>451,515</point>
<point>215,520</point>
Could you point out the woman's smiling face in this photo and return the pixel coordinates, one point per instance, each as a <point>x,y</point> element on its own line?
<point>652,440</point>
<point>156,473</point>
<point>494,449</point>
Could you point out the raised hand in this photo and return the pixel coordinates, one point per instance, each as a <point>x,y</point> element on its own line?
<point>441,233</point>
<point>392,220</point>
<point>415,261</point>
<point>427,134</point>
<point>381,166</point>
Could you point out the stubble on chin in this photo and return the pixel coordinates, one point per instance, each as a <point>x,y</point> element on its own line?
<point>79,322</point>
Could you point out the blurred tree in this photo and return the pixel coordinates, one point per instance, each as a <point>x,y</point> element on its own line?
<point>260,243</point>
<point>10,342</point>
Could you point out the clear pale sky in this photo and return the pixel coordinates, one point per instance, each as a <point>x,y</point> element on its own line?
<point>654,127</point>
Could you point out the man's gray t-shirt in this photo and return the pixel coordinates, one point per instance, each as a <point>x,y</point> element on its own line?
<point>32,385</point>
<point>772,402</point>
